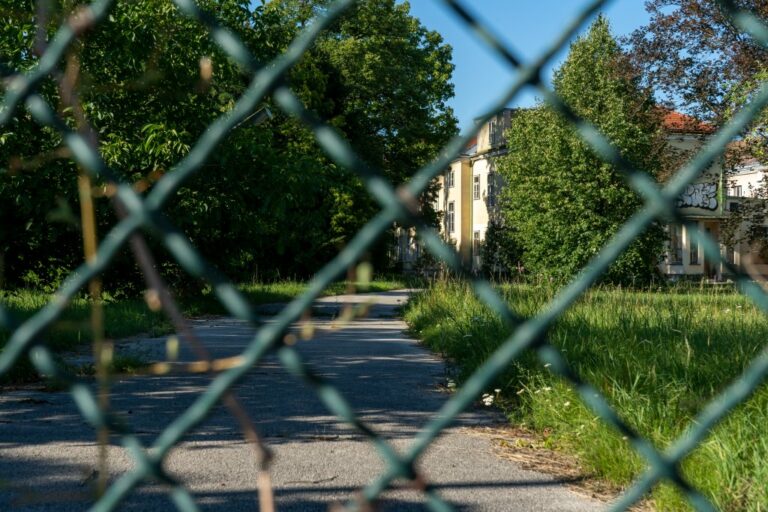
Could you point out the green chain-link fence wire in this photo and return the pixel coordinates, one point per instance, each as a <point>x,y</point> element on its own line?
<point>397,205</point>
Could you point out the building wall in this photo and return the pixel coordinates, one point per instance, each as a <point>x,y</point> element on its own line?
<point>703,203</point>
<point>741,184</point>
<point>491,134</point>
<point>745,181</point>
<point>471,211</point>
<point>480,169</point>
<point>687,147</point>
<point>693,261</point>
<point>464,241</point>
<point>460,195</point>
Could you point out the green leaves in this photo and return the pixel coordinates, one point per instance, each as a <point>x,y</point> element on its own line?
<point>151,81</point>
<point>561,201</point>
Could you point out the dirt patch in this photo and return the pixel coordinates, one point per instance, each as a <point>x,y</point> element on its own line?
<point>528,450</point>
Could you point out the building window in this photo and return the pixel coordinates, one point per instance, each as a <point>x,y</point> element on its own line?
<point>694,252</point>
<point>733,206</point>
<point>449,178</point>
<point>730,255</point>
<point>476,247</point>
<point>493,133</point>
<point>491,189</point>
<point>476,187</point>
<point>450,218</point>
<point>675,244</point>
<point>734,191</point>
<point>496,127</point>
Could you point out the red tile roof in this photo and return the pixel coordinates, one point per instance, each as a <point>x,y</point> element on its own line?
<point>675,122</point>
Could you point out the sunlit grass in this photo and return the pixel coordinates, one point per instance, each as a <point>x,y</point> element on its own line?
<point>657,356</point>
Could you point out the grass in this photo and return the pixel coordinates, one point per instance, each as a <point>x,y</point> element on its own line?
<point>657,356</point>
<point>128,317</point>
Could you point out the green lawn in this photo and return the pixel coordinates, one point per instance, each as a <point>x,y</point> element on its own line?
<point>127,317</point>
<point>657,356</point>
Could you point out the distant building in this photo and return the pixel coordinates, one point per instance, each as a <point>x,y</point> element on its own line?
<point>702,202</point>
<point>708,202</point>
<point>469,188</point>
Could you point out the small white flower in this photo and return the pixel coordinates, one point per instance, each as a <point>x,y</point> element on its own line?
<point>547,365</point>
<point>487,399</point>
<point>547,388</point>
<point>497,391</point>
<point>566,404</point>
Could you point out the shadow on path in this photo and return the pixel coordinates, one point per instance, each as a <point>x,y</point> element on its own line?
<point>47,451</point>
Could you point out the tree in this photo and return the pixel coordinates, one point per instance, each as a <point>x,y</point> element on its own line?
<point>693,55</point>
<point>268,201</point>
<point>147,102</point>
<point>395,124</point>
<point>563,201</point>
<point>499,254</point>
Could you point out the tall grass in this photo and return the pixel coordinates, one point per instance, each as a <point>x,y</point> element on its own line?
<point>657,356</point>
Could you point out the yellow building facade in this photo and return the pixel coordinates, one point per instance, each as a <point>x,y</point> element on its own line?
<point>469,188</point>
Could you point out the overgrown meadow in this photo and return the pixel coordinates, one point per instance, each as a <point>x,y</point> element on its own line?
<point>658,356</point>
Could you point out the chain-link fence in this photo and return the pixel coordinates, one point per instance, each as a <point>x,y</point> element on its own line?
<point>399,204</point>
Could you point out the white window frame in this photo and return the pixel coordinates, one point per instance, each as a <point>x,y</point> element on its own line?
<point>476,187</point>
<point>450,218</point>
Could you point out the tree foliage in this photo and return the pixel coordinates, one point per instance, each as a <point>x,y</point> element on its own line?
<point>500,256</point>
<point>692,54</point>
<point>268,201</point>
<point>563,201</point>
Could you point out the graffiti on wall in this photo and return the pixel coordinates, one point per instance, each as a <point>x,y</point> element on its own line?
<point>699,195</point>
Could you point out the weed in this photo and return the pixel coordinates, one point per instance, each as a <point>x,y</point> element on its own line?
<point>658,356</point>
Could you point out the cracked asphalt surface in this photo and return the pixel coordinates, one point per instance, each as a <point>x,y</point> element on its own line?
<point>47,451</point>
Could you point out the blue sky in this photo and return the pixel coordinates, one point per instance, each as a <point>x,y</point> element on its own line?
<point>528,26</point>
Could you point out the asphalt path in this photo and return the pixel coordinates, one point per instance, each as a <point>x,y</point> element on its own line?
<point>48,453</point>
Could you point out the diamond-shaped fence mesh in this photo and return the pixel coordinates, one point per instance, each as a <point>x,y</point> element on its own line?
<point>138,213</point>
